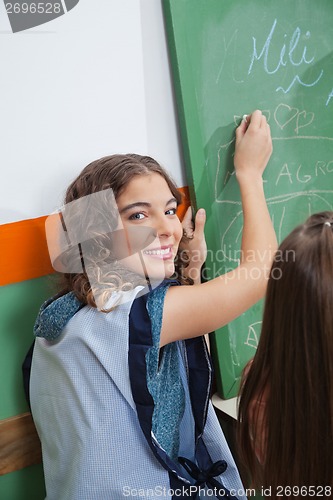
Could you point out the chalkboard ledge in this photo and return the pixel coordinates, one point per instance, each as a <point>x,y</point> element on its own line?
<point>227,406</point>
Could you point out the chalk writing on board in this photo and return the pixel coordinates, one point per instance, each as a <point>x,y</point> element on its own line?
<point>329,97</point>
<point>297,51</point>
<point>226,45</point>
<point>321,196</point>
<point>293,178</point>
<point>286,115</point>
<point>287,57</point>
<point>297,79</point>
<point>253,334</point>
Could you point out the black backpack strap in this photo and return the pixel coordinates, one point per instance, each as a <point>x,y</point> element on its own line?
<point>26,370</point>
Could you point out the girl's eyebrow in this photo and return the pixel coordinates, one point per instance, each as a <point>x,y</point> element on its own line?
<point>145,204</point>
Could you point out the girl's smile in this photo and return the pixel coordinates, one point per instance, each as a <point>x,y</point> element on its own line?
<point>148,202</point>
<point>163,253</point>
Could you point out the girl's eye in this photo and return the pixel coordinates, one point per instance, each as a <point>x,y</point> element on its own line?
<point>137,216</point>
<point>171,211</point>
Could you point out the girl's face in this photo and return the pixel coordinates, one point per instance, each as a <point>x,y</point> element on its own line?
<point>148,215</point>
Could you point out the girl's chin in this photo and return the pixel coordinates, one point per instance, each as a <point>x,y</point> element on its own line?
<point>160,274</point>
<point>153,269</point>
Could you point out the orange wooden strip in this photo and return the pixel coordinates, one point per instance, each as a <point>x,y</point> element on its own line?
<point>19,443</point>
<point>23,249</point>
<point>24,254</point>
<point>186,202</point>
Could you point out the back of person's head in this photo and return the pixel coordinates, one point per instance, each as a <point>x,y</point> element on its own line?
<point>292,371</point>
<point>108,176</point>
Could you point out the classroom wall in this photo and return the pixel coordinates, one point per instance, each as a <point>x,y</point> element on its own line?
<point>93,82</point>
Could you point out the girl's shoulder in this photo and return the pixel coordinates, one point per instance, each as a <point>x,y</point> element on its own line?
<point>54,315</point>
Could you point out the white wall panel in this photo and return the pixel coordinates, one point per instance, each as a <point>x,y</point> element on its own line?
<point>162,130</point>
<point>93,82</point>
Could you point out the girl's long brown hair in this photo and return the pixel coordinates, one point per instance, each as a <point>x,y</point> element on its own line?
<point>114,172</point>
<point>293,368</point>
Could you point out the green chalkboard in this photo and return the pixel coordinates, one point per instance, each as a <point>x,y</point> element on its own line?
<point>228,58</point>
<point>19,305</point>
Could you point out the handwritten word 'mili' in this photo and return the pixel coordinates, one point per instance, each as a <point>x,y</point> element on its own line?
<point>286,57</point>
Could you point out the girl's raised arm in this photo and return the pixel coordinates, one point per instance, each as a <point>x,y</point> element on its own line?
<point>190,311</point>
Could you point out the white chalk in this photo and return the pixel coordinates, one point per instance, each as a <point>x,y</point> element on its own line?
<point>245,117</point>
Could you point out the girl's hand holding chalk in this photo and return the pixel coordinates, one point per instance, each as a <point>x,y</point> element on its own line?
<point>251,155</point>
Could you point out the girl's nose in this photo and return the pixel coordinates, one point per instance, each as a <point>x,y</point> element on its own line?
<point>164,226</point>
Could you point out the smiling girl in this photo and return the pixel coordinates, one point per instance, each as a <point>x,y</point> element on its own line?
<point>121,375</point>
